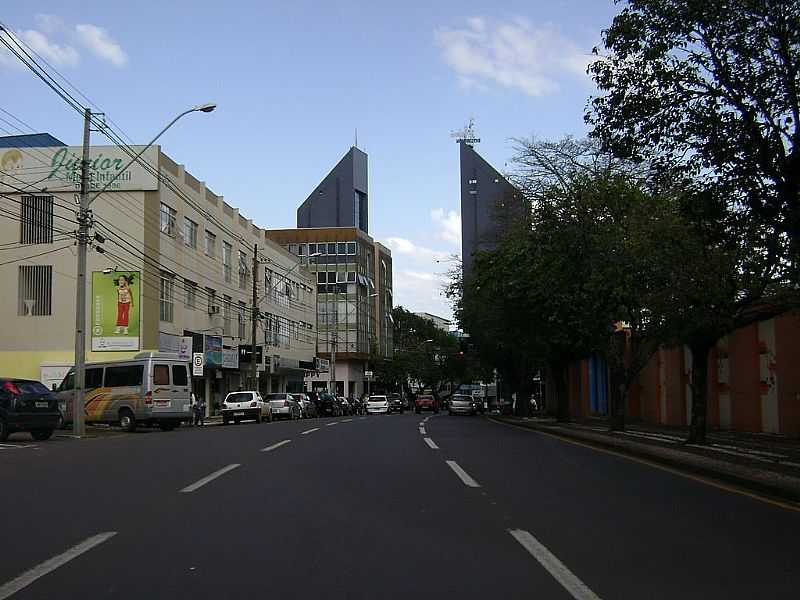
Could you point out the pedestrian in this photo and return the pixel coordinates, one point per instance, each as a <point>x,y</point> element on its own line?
<point>200,412</point>
<point>192,403</point>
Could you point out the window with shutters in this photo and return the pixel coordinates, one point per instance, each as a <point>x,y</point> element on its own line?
<point>168,216</point>
<point>226,315</point>
<point>167,297</point>
<point>35,291</point>
<point>191,294</point>
<point>36,220</point>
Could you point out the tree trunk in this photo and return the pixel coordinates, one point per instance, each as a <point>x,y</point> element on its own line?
<point>617,406</point>
<point>699,385</point>
<point>523,406</point>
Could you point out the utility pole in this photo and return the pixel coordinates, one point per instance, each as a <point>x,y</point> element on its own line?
<point>84,218</point>
<point>253,367</point>
<point>333,340</point>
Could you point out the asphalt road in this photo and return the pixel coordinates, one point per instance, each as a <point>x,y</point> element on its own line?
<point>367,508</point>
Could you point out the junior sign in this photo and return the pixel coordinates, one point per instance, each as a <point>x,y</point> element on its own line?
<point>115,311</point>
<point>58,169</point>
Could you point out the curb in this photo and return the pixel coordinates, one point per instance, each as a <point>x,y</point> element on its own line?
<point>774,486</point>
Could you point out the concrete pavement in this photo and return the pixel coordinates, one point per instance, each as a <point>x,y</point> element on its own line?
<point>374,508</point>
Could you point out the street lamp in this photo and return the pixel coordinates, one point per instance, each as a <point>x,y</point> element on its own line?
<point>84,220</point>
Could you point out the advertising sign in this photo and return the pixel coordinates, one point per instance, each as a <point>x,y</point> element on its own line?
<point>230,358</point>
<point>58,168</point>
<point>212,348</point>
<point>115,311</point>
<point>185,348</point>
<point>197,364</point>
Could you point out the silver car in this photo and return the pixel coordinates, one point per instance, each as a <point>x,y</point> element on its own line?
<point>284,406</point>
<point>462,405</point>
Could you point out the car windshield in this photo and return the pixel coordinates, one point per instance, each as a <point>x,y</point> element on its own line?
<point>27,389</point>
<point>377,398</point>
<point>276,397</point>
<point>239,397</point>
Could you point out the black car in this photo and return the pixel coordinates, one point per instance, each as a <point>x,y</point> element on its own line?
<point>27,405</point>
<point>330,405</point>
<point>395,403</point>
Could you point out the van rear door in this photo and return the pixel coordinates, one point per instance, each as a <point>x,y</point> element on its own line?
<point>161,388</point>
<point>181,388</point>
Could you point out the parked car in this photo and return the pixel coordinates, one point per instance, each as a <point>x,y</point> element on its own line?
<point>378,405</point>
<point>462,405</point>
<point>238,406</point>
<point>316,400</point>
<point>426,402</point>
<point>151,388</point>
<point>27,405</point>
<point>307,407</point>
<point>284,406</point>
<point>358,406</point>
<point>395,403</point>
<point>330,406</point>
<point>347,408</point>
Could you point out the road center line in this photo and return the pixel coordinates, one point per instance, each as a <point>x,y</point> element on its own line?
<point>307,431</point>
<point>331,424</point>
<point>462,474</point>
<point>28,577</point>
<point>431,443</point>
<point>200,483</point>
<point>555,567</point>
<point>274,446</point>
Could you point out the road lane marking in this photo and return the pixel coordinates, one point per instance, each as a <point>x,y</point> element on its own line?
<point>28,577</point>
<point>347,421</point>
<point>422,431</point>
<point>307,431</point>
<point>788,505</point>
<point>274,446</point>
<point>200,483</point>
<point>559,571</point>
<point>431,443</point>
<point>332,424</point>
<point>462,474</point>
<point>361,418</point>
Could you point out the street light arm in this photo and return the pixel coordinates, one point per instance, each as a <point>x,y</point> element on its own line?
<point>199,108</point>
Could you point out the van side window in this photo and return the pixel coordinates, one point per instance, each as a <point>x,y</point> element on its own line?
<point>124,376</point>
<point>160,375</point>
<point>179,376</point>
<point>68,383</point>
<point>94,378</point>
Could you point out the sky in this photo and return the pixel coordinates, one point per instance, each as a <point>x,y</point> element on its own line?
<point>294,81</point>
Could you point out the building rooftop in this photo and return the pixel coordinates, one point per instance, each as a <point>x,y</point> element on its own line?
<point>30,140</point>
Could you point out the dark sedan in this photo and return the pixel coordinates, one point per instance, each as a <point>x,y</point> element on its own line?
<point>27,405</point>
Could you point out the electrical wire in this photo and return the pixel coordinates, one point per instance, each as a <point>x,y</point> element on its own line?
<point>51,251</point>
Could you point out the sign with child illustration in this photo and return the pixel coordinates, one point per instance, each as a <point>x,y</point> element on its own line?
<point>115,311</point>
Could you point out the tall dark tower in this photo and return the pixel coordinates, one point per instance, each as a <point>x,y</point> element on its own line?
<point>342,198</point>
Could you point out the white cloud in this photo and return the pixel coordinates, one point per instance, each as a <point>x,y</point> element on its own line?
<point>405,246</point>
<point>420,291</point>
<point>97,40</point>
<point>450,223</point>
<point>49,23</point>
<point>512,53</point>
<point>55,54</point>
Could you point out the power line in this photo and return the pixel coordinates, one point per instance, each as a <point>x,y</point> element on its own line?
<point>51,251</point>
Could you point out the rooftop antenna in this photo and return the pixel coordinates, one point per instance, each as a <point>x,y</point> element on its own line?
<point>467,134</point>
<point>356,137</point>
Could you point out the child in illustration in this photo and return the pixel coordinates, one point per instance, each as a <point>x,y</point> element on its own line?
<point>10,163</point>
<point>124,302</point>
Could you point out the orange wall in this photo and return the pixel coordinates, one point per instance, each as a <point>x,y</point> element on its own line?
<point>676,391</point>
<point>744,379</point>
<point>649,390</point>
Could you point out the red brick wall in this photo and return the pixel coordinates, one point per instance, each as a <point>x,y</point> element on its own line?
<point>744,379</point>
<point>787,367</point>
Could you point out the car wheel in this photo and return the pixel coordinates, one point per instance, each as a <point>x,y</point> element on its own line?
<point>3,431</point>
<point>225,421</point>
<point>237,421</point>
<point>42,434</point>
<point>127,421</point>
<point>258,418</point>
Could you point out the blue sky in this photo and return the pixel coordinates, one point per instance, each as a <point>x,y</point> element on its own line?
<point>294,80</point>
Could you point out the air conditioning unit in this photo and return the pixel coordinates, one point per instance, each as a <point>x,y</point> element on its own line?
<point>213,310</point>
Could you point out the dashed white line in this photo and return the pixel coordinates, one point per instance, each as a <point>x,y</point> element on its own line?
<point>200,483</point>
<point>462,474</point>
<point>431,443</point>
<point>274,446</point>
<point>28,577</point>
<point>568,579</point>
<point>423,431</point>
<point>332,424</point>
<point>307,431</point>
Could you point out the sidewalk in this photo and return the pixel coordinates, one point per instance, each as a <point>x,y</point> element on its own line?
<point>767,464</point>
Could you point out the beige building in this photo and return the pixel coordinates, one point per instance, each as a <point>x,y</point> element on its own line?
<point>191,257</point>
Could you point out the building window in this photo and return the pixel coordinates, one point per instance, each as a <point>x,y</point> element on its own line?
<point>191,294</point>
<point>242,320</point>
<point>210,244</point>
<point>36,220</point>
<point>212,300</point>
<point>341,248</point>
<point>244,271</point>
<point>35,291</point>
<point>227,252</point>
<point>166,297</point>
<point>301,249</point>
<point>168,215</point>
<point>312,248</point>
<point>331,248</point>
<point>294,249</point>
<point>351,248</point>
<point>190,232</point>
<point>226,315</point>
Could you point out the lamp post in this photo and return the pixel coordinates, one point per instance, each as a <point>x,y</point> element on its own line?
<point>84,224</point>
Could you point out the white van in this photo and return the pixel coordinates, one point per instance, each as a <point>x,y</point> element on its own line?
<point>150,388</point>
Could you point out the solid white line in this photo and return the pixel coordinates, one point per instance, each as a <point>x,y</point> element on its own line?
<point>28,577</point>
<point>332,424</point>
<point>555,567</point>
<point>205,480</point>
<point>278,445</point>
<point>462,474</point>
<point>310,431</point>
<point>347,421</point>
<point>431,443</point>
